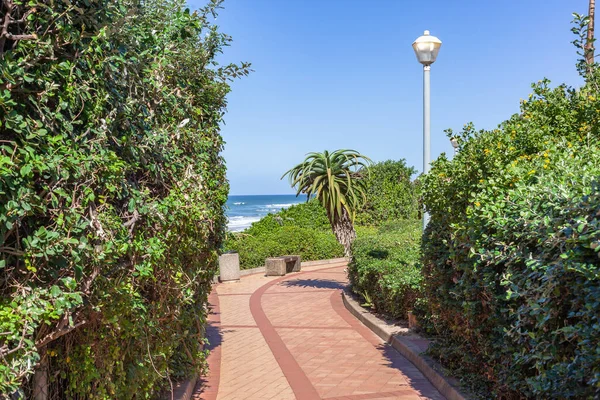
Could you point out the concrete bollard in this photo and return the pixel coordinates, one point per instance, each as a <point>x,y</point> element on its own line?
<point>229,267</point>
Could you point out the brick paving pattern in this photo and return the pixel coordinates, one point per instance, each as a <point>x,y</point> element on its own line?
<point>291,338</point>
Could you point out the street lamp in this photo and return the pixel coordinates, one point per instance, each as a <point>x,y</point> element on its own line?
<point>454,142</point>
<point>426,48</point>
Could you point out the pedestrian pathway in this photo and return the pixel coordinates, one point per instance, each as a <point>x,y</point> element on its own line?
<point>292,338</point>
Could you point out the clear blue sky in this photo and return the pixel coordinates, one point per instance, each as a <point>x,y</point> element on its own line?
<point>332,74</point>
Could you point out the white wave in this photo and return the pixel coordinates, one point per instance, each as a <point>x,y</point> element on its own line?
<point>239,203</point>
<point>239,223</point>
<point>278,206</point>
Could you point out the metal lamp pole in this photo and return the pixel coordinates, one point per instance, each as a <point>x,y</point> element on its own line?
<point>426,49</point>
<point>426,127</point>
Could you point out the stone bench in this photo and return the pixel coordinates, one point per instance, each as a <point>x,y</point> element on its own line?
<point>279,266</point>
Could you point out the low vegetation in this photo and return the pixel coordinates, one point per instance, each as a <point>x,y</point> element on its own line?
<point>302,229</point>
<point>385,269</point>
<point>305,228</point>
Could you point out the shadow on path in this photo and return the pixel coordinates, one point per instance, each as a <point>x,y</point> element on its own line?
<point>414,377</point>
<point>314,283</point>
<point>207,386</point>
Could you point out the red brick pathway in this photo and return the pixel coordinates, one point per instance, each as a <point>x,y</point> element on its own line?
<point>292,338</point>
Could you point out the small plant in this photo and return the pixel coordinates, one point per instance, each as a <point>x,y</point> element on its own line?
<point>368,302</point>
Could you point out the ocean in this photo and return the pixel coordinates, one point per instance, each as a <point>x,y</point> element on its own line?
<point>242,211</point>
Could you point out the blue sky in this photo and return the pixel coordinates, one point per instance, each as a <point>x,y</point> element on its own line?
<point>332,74</point>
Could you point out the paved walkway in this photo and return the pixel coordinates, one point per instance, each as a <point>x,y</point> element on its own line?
<point>292,338</point>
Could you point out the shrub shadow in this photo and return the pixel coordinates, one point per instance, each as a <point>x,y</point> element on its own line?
<point>314,283</point>
<point>379,254</point>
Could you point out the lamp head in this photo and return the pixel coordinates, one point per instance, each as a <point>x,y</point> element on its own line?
<point>427,48</point>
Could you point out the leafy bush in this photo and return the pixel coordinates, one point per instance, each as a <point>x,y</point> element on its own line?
<point>302,229</point>
<point>111,192</point>
<point>390,194</point>
<point>310,244</point>
<point>385,267</point>
<point>510,256</point>
<point>309,215</point>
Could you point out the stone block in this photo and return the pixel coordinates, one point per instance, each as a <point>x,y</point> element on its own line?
<point>293,263</point>
<point>275,266</point>
<point>229,267</point>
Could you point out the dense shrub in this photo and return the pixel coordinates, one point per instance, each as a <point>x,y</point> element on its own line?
<point>111,192</point>
<point>310,244</point>
<point>390,194</point>
<point>309,215</point>
<point>301,229</point>
<point>385,269</point>
<point>510,256</point>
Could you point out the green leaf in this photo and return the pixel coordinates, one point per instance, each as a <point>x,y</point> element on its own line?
<point>25,169</point>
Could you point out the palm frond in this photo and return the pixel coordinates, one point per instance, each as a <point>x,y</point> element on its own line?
<point>335,178</point>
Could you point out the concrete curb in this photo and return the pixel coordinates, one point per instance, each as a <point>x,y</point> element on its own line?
<point>251,271</point>
<point>184,390</point>
<point>405,347</point>
<point>324,262</point>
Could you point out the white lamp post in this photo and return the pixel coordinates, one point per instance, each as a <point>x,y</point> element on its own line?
<point>454,142</point>
<point>426,48</point>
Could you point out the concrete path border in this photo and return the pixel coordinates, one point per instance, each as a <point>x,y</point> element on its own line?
<point>404,346</point>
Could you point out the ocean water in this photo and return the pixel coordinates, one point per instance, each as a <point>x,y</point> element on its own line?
<point>242,211</point>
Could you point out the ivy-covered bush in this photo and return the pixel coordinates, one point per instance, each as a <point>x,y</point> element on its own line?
<point>302,229</point>
<point>385,269</point>
<point>390,194</point>
<point>511,254</point>
<point>112,190</point>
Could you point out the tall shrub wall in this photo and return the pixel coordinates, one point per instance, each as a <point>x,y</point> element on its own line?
<point>511,255</point>
<point>111,193</point>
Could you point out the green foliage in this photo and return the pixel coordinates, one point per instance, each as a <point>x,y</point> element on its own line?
<point>390,195</point>
<point>302,229</point>
<point>385,267</point>
<point>510,257</point>
<point>335,179</point>
<point>309,215</point>
<point>111,192</point>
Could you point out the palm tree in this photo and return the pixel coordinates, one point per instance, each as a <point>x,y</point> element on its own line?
<point>335,179</point>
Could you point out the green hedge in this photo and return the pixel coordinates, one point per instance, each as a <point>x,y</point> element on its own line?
<point>111,193</point>
<point>390,194</point>
<point>510,256</point>
<point>301,229</point>
<point>385,268</point>
<point>310,244</point>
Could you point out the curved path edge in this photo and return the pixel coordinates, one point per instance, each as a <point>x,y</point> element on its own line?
<point>301,386</point>
<point>407,349</point>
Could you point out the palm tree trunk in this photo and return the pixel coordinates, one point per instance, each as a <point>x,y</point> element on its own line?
<point>344,232</point>
<point>589,45</point>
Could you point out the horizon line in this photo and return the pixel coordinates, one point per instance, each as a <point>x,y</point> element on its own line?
<point>270,194</point>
